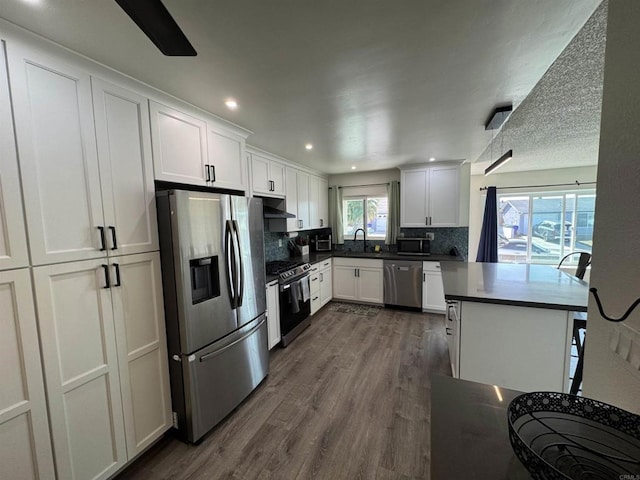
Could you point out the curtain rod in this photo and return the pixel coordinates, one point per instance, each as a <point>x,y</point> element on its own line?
<point>365,185</point>
<point>576,183</point>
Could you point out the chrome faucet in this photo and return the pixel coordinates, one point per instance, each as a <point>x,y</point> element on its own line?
<point>364,234</point>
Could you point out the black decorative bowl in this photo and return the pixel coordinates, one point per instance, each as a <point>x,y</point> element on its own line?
<point>562,436</point>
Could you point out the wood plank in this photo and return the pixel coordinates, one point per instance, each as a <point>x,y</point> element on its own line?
<point>349,398</point>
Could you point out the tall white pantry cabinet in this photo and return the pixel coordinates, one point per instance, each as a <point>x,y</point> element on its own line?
<point>84,149</point>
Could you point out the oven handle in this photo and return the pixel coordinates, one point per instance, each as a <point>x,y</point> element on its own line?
<point>287,286</point>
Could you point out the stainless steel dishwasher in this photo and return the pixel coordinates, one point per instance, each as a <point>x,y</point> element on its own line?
<point>403,284</point>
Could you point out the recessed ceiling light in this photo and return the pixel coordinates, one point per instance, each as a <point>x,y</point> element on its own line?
<point>353,168</point>
<point>308,146</point>
<point>231,104</point>
<point>432,159</point>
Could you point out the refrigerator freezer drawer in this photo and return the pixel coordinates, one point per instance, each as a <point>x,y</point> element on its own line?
<point>223,374</point>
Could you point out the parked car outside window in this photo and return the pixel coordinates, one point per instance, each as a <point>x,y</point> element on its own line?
<point>551,230</point>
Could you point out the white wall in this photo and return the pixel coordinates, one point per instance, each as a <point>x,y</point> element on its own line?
<point>616,245</point>
<point>364,178</point>
<point>536,177</point>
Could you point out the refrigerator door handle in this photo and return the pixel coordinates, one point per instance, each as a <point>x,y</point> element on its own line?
<point>209,356</point>
<point>240,269</point>
<point>231,265</point>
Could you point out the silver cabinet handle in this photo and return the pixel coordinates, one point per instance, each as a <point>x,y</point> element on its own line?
<point>321,278</point>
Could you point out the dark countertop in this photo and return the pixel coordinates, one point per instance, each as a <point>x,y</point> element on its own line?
<point>525,285</point>
<point>469,432</point>
<point>315,257</point>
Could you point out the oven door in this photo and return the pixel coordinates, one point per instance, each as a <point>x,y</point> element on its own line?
<point>293,306</point>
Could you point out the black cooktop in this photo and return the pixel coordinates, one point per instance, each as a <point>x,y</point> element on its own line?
<point>279,266</point>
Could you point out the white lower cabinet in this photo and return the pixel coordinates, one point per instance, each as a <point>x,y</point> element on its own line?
<point>25,448</point>
<point>321,284</point>
<point>273,314</point>
<point>104,357</point>
<point>142,349</point>
<point>358,279</point>
<point>326,282</point>
<point>432,289</point>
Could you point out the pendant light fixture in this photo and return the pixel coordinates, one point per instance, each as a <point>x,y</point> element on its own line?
<point>496,120</point>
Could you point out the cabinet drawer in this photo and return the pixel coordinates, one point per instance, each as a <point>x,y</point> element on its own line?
<point>357,262</point>
<point>315,302</point>
<point>431,266</point>
<point>314,282</point>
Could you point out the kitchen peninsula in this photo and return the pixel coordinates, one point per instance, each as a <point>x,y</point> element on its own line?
<point>511,324</point>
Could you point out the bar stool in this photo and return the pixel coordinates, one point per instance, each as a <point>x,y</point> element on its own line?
<point>579,321</point>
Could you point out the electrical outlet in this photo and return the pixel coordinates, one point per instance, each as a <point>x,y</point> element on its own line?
<point>280,242</point>
<point>429,235</point>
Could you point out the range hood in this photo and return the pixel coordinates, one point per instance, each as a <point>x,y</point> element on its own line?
<point>272,212</point>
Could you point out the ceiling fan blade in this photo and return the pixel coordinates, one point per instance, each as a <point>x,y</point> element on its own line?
<point>157,23</point>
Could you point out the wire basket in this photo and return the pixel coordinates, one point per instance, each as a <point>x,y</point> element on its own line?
<point>562,436</point>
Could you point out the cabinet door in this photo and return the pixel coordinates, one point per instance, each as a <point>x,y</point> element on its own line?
<point>126,168</point>
<point>432,291</point>
<point>444,197</point>
<point>273,315</point>
<point>326,287</point>
<point>277,176</point>
<point>142,348</point>
<point>314,201</point>
<point>303,200</point>
<point>227,160</point>
<point>81,369</point>
<point>370,285</point>
<point>58,159</point>
<point>293,224</point>
<point>323,202</point>
<point>260,181</point>
<point>345,282</point>
<point>413,198</point>
<point>179,143</point>
<point>13,243</point>
<point>25,448</point>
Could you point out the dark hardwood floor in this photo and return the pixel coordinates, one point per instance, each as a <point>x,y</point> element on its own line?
<point>348,399</point>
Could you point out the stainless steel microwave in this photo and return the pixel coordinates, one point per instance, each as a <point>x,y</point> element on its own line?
<point>413,246</point>
<point>323,243</point>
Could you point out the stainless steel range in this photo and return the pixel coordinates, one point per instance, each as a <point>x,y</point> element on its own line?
<point>294,297</point>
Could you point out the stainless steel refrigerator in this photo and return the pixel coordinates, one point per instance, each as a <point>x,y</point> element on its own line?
<point>212,253</point>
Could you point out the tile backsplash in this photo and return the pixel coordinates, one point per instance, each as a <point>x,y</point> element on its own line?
<point>444,239</point>
<point>272,251</point>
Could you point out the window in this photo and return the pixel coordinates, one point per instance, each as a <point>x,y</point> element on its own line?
<point>361,210</point>
<point>544,227</point>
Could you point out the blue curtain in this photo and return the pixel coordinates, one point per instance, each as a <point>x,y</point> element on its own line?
<point>488,247</point>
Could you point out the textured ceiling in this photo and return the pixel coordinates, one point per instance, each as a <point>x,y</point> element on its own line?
<point>371,83</point>
<point>558,124</point>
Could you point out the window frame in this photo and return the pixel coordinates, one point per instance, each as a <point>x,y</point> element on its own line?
<point>531,195</point>
<point>364,198</point>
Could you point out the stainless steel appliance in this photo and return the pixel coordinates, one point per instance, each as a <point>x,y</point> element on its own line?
<point>294,297</point>
<point>212,253</point>
<point>322,243</point>
<point>403,284</point>
<point>413,246</point>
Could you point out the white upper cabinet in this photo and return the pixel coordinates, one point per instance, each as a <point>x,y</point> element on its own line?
<point>318,202</point>
<point>293,224</point>
<point>429,196</point>
<point>25,448</point>
<point>314,201</point>
<point>303,200</point>
<point>126,168</point>
<point>179,146</point>
<point>267,176</point>
<point>13,243</point>
<point>323,202</point>
<point>57,150</point>
<point>227,162</point>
